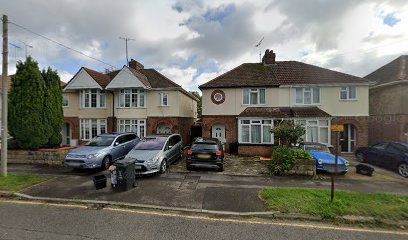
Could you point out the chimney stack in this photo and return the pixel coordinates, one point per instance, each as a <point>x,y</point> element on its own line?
<point>135,64</point>
<point>269,57</point>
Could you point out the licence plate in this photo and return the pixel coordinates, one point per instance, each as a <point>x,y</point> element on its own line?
<point>204,156</point>
<point>138,167</point>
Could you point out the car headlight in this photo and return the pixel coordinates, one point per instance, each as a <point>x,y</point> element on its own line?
<point>346,163</point>
<point>320,161</point>
<point>95,155</point>
<point>154,159</point>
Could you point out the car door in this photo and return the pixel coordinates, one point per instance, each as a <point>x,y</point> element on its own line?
<point>129,143</point>
<point>394,154</point>
<point>375,153</point>
<point>178,144</point>
<point>118,147</point>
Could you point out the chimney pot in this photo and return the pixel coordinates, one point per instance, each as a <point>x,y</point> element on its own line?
<point>135,64</point>
<point>269,57</point>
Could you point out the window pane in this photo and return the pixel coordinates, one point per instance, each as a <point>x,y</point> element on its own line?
<point>127,100</point>
<point>244,133</point>
<point>94,128</point>
<point>254,98</point>
<point>246,96</point>
<point>316,95</point>
<point>134,99</point>
<point>324,123</point>
<point>308,97</point>
<point>102,100</point>
<point>299,95</point>
<point>245,121</point>
<point>312,134</point>
<point>324,135</point>
<point>256,133</point>
<point>343,93</point>
<point>352,92</point>
<point>141,99</point>
<point>266,134</point>
<point>262,96</point>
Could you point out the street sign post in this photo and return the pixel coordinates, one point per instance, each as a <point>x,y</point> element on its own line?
<point>337,129</point>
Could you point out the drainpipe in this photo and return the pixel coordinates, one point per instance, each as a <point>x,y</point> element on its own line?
<point>113,110</point>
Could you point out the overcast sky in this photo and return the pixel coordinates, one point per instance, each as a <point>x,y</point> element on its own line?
<point>191,42</point>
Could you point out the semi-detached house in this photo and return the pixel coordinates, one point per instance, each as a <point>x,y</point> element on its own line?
<point>242,105</point>
<point>133,99</point>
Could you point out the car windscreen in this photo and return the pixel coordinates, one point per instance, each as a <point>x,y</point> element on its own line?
<point>319,148</point>
<point>151,144</point>
<point>101,141</point>
<point>204,146</point>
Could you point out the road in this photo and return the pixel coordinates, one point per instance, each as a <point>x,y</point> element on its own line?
<point>30,220</point>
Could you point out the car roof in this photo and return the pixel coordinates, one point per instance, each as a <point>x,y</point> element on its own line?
<point>206,140</point>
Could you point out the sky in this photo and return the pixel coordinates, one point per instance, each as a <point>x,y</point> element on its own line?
<point>193,41</point>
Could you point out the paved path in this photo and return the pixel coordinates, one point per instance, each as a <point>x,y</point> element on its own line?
<point>20,221</point>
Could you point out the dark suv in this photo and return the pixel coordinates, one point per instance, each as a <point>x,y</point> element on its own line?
<point>206,153</point>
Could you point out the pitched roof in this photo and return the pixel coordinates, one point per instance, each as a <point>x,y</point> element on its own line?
<point>283,112</point>
<point>281,73</point>
<point>396,70</point>
<point>140,76</point>
<point>158,80</point>
<point>102,79</point>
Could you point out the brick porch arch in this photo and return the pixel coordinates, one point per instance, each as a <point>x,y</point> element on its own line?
<point>360,125</point>
<point>73,123</point>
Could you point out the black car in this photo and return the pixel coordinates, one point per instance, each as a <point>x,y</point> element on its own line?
<point>206,153</point>
<point>391,155</point>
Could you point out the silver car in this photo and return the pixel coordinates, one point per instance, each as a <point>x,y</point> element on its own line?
<point>101,151</point>
<point>155,153</point>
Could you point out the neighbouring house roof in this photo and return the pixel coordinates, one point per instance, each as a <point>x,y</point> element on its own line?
<point>283,112</point>
<point>396,70</point>
<point>102,79</point>
<point>280,73</point>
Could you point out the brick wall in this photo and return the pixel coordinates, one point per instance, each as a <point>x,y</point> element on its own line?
<point>41,157</point>
<point>388,127</point>
<point>231,128</point>
<point>251,150</point>
<point>74,125</point>
<point>181,125</point>
<point>361,124</point>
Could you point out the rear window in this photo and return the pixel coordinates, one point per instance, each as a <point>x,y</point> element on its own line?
<point>204,146</point>
<point>151,144</point>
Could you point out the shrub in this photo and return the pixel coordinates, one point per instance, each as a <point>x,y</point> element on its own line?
<point>288,133</point>
<point>284,158</point>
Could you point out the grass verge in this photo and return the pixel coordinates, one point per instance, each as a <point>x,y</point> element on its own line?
<point>316,202</point>
<point>17,182</point>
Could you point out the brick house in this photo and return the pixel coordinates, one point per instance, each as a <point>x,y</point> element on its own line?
<point>242,105</point>
<point>389,102</point>
<point>133,99</point>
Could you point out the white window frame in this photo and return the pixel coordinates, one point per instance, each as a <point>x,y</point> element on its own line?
<point>136,97</point>
<point>253,122</point>
<point>85,98</point>
<point>253,90</point>
<point>86,124</point>
<point>137,126</point>
<point>305,90</point>
<point>164,95</point>
<point>347,90</point>
<point>65,99</point>
<point>308,122</point>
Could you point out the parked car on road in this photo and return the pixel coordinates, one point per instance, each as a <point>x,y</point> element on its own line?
<point>154,154</point>
<point>101,151</point>
<point>390,155</point>
<point>325,160</point>
<point>207,153</point>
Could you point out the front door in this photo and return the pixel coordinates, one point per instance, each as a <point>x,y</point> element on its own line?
<point>66,135</point>
<point>348,139</point>
<point>218,131</point>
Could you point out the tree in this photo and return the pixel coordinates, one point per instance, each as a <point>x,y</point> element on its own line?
<point>199,103</point>
<point>53,106</point>
<point>288,132</point>
<point>27,123</point>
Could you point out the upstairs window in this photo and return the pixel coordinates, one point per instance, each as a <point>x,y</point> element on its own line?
<point>65,102</point>
<point>253,96</point>
<point>92,98</point>
<point>164,99</point>
<point>307,95</point>
<point>131,98</point>
<point>348,93</point>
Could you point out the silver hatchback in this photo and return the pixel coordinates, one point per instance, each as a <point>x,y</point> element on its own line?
<point>155,153</point>
<point>101,151</point>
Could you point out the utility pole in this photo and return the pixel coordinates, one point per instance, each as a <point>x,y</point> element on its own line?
<point>25,47</point>
<point>126,39</point>
<point>4,99</point>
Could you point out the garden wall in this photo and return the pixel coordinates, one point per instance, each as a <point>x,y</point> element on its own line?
<point>304,167</point>
<point>42,156</point>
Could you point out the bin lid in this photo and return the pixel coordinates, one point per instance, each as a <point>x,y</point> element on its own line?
<point>125,162</point>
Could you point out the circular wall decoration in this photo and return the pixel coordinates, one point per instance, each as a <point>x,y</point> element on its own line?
<point>218,96</point>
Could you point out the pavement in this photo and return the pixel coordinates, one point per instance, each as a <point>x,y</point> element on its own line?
<point>33,220</point>
<point>193,190</point>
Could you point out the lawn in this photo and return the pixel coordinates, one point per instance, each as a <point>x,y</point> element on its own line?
<point>317,202</point>
<point>16,182</point>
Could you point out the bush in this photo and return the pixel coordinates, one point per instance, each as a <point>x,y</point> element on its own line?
<point>288,133</point>
<point>284,158</point>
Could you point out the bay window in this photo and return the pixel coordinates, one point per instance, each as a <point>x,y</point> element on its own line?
<point>255,131</point>
<point>92,98</point>
<point>317,130</point>
<point>90,128</point>
<point>348,93</point>
<point>307,95</point>
<point>131,98</point>
<point>253,96</point>
<point>132,125</point>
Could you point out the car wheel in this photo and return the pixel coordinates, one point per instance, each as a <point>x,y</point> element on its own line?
<point>220,168</point>
<point>360,157</point>
<point>163,166</point>
<point>106,163</point>
<point>403,169</point>
<point>189,168</point>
